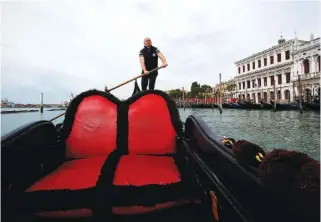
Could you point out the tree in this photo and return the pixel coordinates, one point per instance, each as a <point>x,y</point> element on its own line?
<point>196,89</point>
<point>230,87</point>
<point>206,88</point>
<point>195,84</point>
<point>175,93</point>
<point>188,95</point>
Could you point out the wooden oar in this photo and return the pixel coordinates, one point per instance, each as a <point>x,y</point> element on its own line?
<point>124,83</point>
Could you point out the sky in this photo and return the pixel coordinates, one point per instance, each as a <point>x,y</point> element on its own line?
<point>57,47</point>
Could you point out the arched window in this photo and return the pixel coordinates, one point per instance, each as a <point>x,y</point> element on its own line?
<point>265,96</point>
<point>271,95</point>
<point>259,97</point>
<point>253,97</point>
<point>287,95</point>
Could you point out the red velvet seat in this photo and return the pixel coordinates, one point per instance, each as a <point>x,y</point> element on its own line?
<point>122,158</point>
<point>90,125</point>
<point>151,125</point>
<point>54,195</point>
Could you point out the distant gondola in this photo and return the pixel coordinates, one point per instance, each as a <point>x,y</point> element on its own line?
<point>227,106</point>
<point>287,106</point>
<point>312,106</point>
<point>267,106</point>
<point>249,105</point>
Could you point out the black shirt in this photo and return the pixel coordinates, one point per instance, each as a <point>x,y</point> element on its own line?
<point>150,57</point>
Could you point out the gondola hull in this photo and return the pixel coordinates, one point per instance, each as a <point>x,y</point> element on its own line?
<point>90,167</point>
<point>128,161</point>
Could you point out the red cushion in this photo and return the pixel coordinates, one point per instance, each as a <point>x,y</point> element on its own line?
<point>139,170</point>
<point>72,175</point>
<point>94,129</point>
<point>150,130</point>
<point>136,170</point>
<point>133,171</point>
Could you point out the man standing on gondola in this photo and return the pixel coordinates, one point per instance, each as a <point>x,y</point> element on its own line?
<point>148,57</point>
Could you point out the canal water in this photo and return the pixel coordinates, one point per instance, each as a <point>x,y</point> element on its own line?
<point>285,129</point>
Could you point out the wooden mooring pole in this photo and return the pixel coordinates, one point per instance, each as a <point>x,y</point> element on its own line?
<point>213,98</point>
<point>41,103</point>
<point>220,97</point>
<point>183,98</point>
<point>300,93</point>
<point>274,107</point>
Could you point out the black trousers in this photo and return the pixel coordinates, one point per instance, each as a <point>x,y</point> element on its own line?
<point>151,79</point>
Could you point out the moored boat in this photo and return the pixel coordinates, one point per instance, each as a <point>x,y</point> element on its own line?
<point>249,105</point>
<point>312,106</point>
<point>266,105</point>
<point>287,106</point>
<point>131,160</point>
<point>227,106</point>
<point>236,106</point>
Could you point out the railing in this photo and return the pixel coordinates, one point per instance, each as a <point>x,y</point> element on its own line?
<point>262,87</point>
<point>308,44</point>
<point>312,75</point>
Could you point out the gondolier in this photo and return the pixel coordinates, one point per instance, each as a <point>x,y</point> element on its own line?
<point>148,57</point>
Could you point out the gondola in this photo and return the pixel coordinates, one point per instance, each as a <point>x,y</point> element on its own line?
<point>249,105</point>
<point>131,160</point>
<point>312,106</point>
<point>287,106</point>
<point>227,105</point>
<point>266,105</point>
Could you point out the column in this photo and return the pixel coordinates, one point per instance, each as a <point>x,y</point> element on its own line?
<point>311,64</point>
<point>315,64</point>
<point>302,68</point>
<point>295,69</point>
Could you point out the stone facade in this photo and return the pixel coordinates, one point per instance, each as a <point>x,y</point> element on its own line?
<point>307,66</point>
<point>257,73</point>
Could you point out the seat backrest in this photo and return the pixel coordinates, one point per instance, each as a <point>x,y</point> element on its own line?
<point>90,125</point>
<point>150,124</point>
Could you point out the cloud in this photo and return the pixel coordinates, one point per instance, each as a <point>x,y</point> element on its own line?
<point>58,47</point>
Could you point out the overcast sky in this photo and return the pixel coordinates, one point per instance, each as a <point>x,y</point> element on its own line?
<point>62,46</point>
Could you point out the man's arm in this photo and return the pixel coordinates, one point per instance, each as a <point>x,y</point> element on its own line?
<point>162,57</point>
<point>142,61</point>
